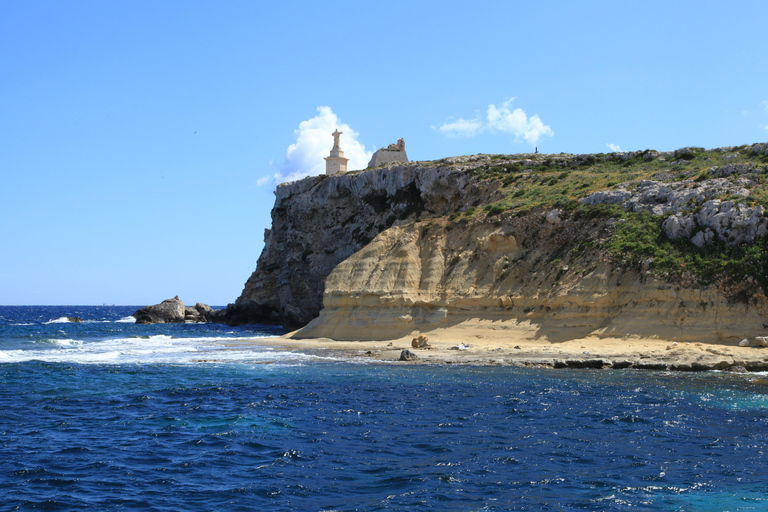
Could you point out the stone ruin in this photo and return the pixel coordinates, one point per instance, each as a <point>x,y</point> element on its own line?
<point>394,153</point>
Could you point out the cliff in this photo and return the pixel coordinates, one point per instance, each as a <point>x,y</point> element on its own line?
<point>556,247</point>
<point>318,222</point>
<point>525,276</point>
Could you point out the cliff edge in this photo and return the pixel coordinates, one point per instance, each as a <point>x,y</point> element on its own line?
<point>318,222</point>
<point>649,244</point>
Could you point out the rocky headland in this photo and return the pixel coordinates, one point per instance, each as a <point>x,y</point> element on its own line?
<point>547,249</point>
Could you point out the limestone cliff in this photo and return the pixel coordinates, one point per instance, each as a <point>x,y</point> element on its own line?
<point>524,275</point>
<point>320,221</point>
<point>557,247</point>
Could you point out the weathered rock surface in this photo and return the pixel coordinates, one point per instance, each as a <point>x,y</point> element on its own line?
<point>173,311</point>
<point>446,278</point>
<point>694,214</point>
<point>352,246</point>
<point>320,221</point>
<point>246,312</point>
<point>168,311</point>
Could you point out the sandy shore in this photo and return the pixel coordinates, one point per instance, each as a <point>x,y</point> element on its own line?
<point>488,348</point>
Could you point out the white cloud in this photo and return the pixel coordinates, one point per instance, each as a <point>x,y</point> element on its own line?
<point>517,123</point>
<point>313,143</point>
<point>462,127</point>
<point>614,147</point>
<point>765,105</point>
<point>501,119</point>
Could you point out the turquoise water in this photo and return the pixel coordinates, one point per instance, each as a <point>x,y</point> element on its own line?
<point>107,414</point>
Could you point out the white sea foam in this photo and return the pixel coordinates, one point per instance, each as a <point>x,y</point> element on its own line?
<point>126,320</point>
<point>66,342</point>
<point>60,320</point>
<point>158,349</point>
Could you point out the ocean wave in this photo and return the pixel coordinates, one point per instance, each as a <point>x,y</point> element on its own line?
<point>126,320</point>
<point>60,320</point>
<point>157,349</point>
<point>65,342</point>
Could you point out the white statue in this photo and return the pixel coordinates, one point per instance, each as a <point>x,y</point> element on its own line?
<point>336,136</point>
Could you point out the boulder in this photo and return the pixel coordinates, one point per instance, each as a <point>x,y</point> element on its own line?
<point>761,341</point>
<point>199,313</point>
<point>421,341</point>
<point>678,226</point>
<point>685,153</point>
<point>729,169</point>
<point>703,238</point>
<point>744,343</point>
<point>607,197</point>
<point>407,355</point>
<point>191,314</point>
<point>168,311</point>
<point>205,311</point>
<point>553,216</point>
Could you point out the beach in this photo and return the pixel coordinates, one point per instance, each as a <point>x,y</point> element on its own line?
<point>475,345</point>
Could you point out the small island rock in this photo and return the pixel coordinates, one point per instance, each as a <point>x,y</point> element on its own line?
<point>168,311</point>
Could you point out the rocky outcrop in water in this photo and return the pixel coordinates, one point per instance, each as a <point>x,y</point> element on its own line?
<point>172,311</point>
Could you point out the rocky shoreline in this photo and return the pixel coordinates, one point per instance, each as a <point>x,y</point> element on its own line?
<point>589,353</point>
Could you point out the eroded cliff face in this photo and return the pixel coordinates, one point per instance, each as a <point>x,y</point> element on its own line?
<point>392,251</point>
<point>319,222</point>
<point>527,275</point>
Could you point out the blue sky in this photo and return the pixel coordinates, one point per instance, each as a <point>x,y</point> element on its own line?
<point>140,142</point>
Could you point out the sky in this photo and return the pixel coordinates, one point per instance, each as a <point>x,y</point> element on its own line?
<point>141,141</point>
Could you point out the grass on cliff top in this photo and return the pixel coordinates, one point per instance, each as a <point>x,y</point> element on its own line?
<point>639,241</point>
<point>556,181</point>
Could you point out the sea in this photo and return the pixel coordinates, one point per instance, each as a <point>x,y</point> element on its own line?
<point>105,414</point>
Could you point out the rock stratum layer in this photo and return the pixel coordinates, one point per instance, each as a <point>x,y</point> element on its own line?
<point>319,222</point>
<point>503,277</point>
<point>529,245</point>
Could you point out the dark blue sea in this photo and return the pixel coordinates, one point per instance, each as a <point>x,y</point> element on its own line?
<point>110,415</point>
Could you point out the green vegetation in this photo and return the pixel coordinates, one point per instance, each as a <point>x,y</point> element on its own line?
<point>528,182</point>
<point>560,180</point>
<point>640,241</point>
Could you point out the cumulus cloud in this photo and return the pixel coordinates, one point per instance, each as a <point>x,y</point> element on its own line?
<point>614,147</point>
<point>517,123</point>
<point>501,119</point>
<point>313,143</point>
<point>462,127</point>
